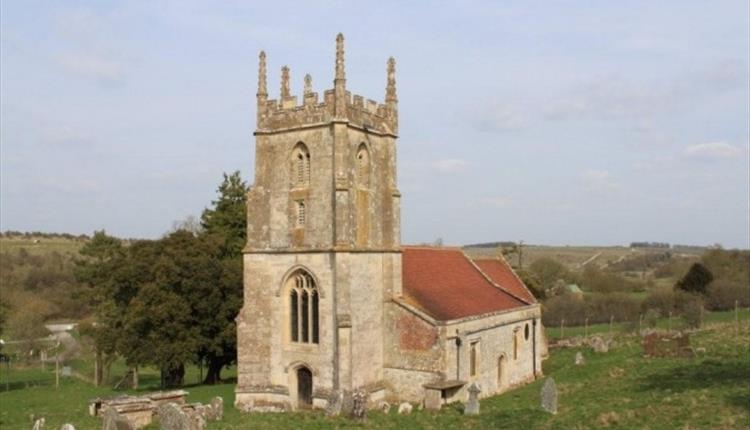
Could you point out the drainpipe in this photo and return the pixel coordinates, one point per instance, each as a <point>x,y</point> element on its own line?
<point>533,346</point>
<point>458,356</point>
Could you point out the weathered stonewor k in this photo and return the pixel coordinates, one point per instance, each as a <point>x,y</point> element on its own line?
<point>335,308</point>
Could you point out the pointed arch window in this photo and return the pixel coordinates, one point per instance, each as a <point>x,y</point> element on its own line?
<point>301,165</point>
<point>363,166</point>
<point>303,308</point>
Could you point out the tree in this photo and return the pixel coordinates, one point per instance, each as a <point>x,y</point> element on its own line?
<point>696,280</point>
<point>532,283</point>
<point>547,271</point>
<point>224,224</point>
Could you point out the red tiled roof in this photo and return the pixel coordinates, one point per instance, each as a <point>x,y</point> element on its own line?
<point>501,273</point>
<point>445,284</point>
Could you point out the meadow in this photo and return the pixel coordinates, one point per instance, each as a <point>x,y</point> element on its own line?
<point>618,389</point>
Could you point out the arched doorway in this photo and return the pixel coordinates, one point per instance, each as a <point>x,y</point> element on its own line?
<point>304,387</point>
<point>501,372</point>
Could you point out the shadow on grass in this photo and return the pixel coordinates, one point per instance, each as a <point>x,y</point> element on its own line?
<point>28,383</point>
<point>700,375</point>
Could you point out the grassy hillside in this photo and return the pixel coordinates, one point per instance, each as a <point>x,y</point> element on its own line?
<point>619,389</point>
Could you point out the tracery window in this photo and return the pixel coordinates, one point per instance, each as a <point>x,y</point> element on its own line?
<point>303,308</point>
<point>301,164</point>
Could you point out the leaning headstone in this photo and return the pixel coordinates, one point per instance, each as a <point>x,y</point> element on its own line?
<point>171,417</point>
<point>216,411</point>
<point>404,408</point>
<point>112,420</point>
<point>549,396</point>
<point>385,407</point>
<point>472,406</point>
<point>335,403</point>
<point>359,405</point>
<point>599,344</point>
<point>67,427</point>
<point>579,361</point>
<point>38,424</point>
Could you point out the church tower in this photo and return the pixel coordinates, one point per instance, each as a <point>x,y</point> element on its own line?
<point>323,248</point>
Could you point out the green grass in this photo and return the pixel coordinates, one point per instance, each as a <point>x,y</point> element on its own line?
<point>619,389</point>
<point>553,332</point>
<point>43,246</point>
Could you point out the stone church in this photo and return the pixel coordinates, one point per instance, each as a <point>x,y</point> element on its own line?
<point>333,302</point>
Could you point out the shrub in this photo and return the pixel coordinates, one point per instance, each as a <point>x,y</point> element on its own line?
<point>660,300</point>
<point>600,281</point>
<point>690,307</point>
<point>722,295</point>
<point>651,317</point>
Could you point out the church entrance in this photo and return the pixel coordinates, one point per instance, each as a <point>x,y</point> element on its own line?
<point>304,387</point>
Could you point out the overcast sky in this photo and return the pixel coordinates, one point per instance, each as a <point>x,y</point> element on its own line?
<point>549,122</point>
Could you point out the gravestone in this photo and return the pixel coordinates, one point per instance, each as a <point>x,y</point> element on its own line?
<point>38,424</point>
<point>359,405</point>
<point>335,403</point>
<point>171,417</point>
<point>215,411</point>
<point>385,407</point>
<point>404,408</point>
<point>549,396</point>
<point>472,406</point>
<point>112,420</point>
<point>579,361</point>
<point>67,426</point>
<point>66,371</point>
<point>599,344</point>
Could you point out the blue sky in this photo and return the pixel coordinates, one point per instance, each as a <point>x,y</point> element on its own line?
<point>549,122</point>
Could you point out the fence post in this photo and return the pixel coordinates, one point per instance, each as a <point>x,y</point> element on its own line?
<point>57,371</point>
<point>611,320</point>
<point>562,328</point>
<point>640,323</point>
<point>669,323</point>
<point>586,327</point>
<point>737,313</point>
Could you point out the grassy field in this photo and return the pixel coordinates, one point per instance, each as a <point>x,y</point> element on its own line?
<point>619,389</point>
<point>571,256</point>
<point>676,323</point>
<point>40,245</point>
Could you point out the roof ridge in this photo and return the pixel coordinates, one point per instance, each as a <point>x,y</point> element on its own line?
<point>433,248</point>
<point>492,282</point>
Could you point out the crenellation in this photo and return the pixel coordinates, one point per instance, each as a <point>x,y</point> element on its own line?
<point>286,113</point>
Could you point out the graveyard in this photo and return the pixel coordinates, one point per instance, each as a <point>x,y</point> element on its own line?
<point>619,389</point>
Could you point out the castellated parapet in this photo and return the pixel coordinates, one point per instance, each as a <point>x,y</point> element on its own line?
<point>337,105</point>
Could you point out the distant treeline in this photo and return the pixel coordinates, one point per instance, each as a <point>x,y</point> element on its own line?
<point>491,245</point>
<point>664,245</point>
<point>39,234</point>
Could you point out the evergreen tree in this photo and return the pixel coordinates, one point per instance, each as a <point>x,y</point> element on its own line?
<point>696,280</point>
<point>224,224</point>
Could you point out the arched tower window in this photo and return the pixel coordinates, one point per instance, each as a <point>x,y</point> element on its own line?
<point>303,308</point>
<point>363,166</point>
<point>300,165</point>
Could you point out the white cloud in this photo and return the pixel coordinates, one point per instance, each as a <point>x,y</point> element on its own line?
<point>600,181</point>
<point>501,118</point>
<point>712,150</point>
<point>106,71</point>
<point>450,165</point>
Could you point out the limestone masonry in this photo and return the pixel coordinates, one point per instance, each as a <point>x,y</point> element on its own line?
<point>333,303</point>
